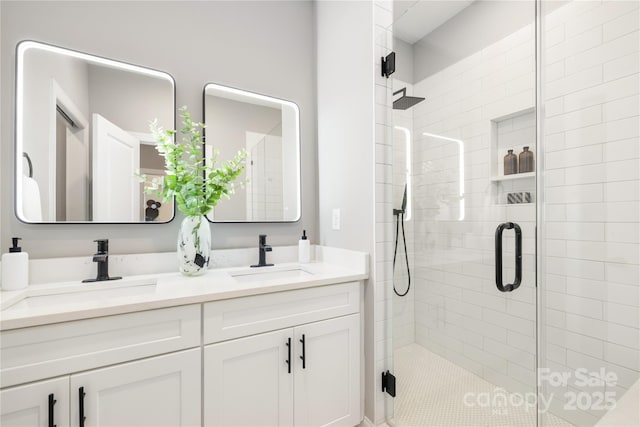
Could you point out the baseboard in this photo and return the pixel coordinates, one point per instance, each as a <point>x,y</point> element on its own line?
<point>366,422</point>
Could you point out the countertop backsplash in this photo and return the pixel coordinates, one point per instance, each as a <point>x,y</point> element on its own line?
<point>50,270</point>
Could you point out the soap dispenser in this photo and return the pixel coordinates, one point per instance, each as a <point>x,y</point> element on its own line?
<point>304,249</point>
<point>15,268</point>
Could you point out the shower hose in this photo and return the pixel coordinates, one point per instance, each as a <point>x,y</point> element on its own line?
<point>400,220</point>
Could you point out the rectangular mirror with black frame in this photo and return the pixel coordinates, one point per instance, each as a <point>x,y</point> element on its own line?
<point>82,137</point>
<point>268,129</point>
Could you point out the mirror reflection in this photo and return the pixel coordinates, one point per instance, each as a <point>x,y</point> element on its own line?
<point>82,137</point>
<point>269,129</point>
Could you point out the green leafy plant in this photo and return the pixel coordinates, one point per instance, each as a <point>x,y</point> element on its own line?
<point>196,184</point>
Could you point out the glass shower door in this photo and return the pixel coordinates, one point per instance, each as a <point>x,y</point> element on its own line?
<point>465,333</point>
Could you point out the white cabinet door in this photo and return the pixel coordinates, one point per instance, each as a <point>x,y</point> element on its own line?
<point>327,387</point>
<point>159,391</point>
<point>247,381</point>
<point>31,406</point>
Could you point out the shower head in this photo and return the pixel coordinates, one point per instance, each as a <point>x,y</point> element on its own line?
<point>405,101</point>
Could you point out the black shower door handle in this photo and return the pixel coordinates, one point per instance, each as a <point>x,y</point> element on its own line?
<point>516,283</point>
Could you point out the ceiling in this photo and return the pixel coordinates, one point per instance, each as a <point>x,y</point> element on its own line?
<point>414,19</point>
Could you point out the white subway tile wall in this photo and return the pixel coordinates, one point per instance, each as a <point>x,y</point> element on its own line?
<point>264,201</point>
<point>591,225</point>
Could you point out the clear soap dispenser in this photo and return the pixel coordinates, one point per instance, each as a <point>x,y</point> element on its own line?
<point>15,268</point>
<point>304,249</point>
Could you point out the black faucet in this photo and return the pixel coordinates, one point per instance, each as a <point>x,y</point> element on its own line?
<point>102,258</point>
<point>263,248</point>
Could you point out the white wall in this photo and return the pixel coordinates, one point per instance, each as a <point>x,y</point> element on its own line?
<point>591,227</point>
<point>143,98</point>
<point>404,61</point>
<point>475,27</point>
<point>345,91</point>
<point>195,42</point>
<point>345,123</point>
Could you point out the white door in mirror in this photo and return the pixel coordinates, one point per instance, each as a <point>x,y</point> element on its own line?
<point>116,161</point>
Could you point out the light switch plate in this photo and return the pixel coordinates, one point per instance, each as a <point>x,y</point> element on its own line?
<point>335,219</point>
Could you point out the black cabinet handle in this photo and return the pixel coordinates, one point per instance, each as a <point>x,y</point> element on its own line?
<point>303,357</point>
<point>52,402</point>
<point>499,284</point>
<point>81,395</point>
<point>289,355</point>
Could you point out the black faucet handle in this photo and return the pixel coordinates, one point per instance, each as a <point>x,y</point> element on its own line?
<point>263,248</point>
<point>103,245</point>
<point>102,258</point>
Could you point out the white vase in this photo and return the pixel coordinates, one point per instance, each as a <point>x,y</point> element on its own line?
<point>194,245</point>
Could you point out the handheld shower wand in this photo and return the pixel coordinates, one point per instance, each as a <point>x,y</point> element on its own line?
<point>399,214</point>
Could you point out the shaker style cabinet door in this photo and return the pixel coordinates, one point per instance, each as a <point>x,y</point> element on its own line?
<point>247,381</point>
<point>159,391</point>
<point>327,381</point>
<point>40,404</point>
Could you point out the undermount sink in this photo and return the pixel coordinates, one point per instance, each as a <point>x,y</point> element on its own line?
<point>79,294</point>
<point>262,273</point>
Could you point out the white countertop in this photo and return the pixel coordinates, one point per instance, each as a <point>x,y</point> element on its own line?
<point>73,300</point>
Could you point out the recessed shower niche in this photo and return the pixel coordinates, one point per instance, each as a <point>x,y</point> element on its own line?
<point>513,132</point>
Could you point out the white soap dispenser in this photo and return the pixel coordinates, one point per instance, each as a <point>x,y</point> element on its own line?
<point>304,249</point>
<point>15,268</point>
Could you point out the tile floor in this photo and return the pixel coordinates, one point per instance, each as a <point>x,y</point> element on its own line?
<point>431,392</point>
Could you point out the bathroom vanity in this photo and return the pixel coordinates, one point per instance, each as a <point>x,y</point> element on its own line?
<point>237,346</point>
